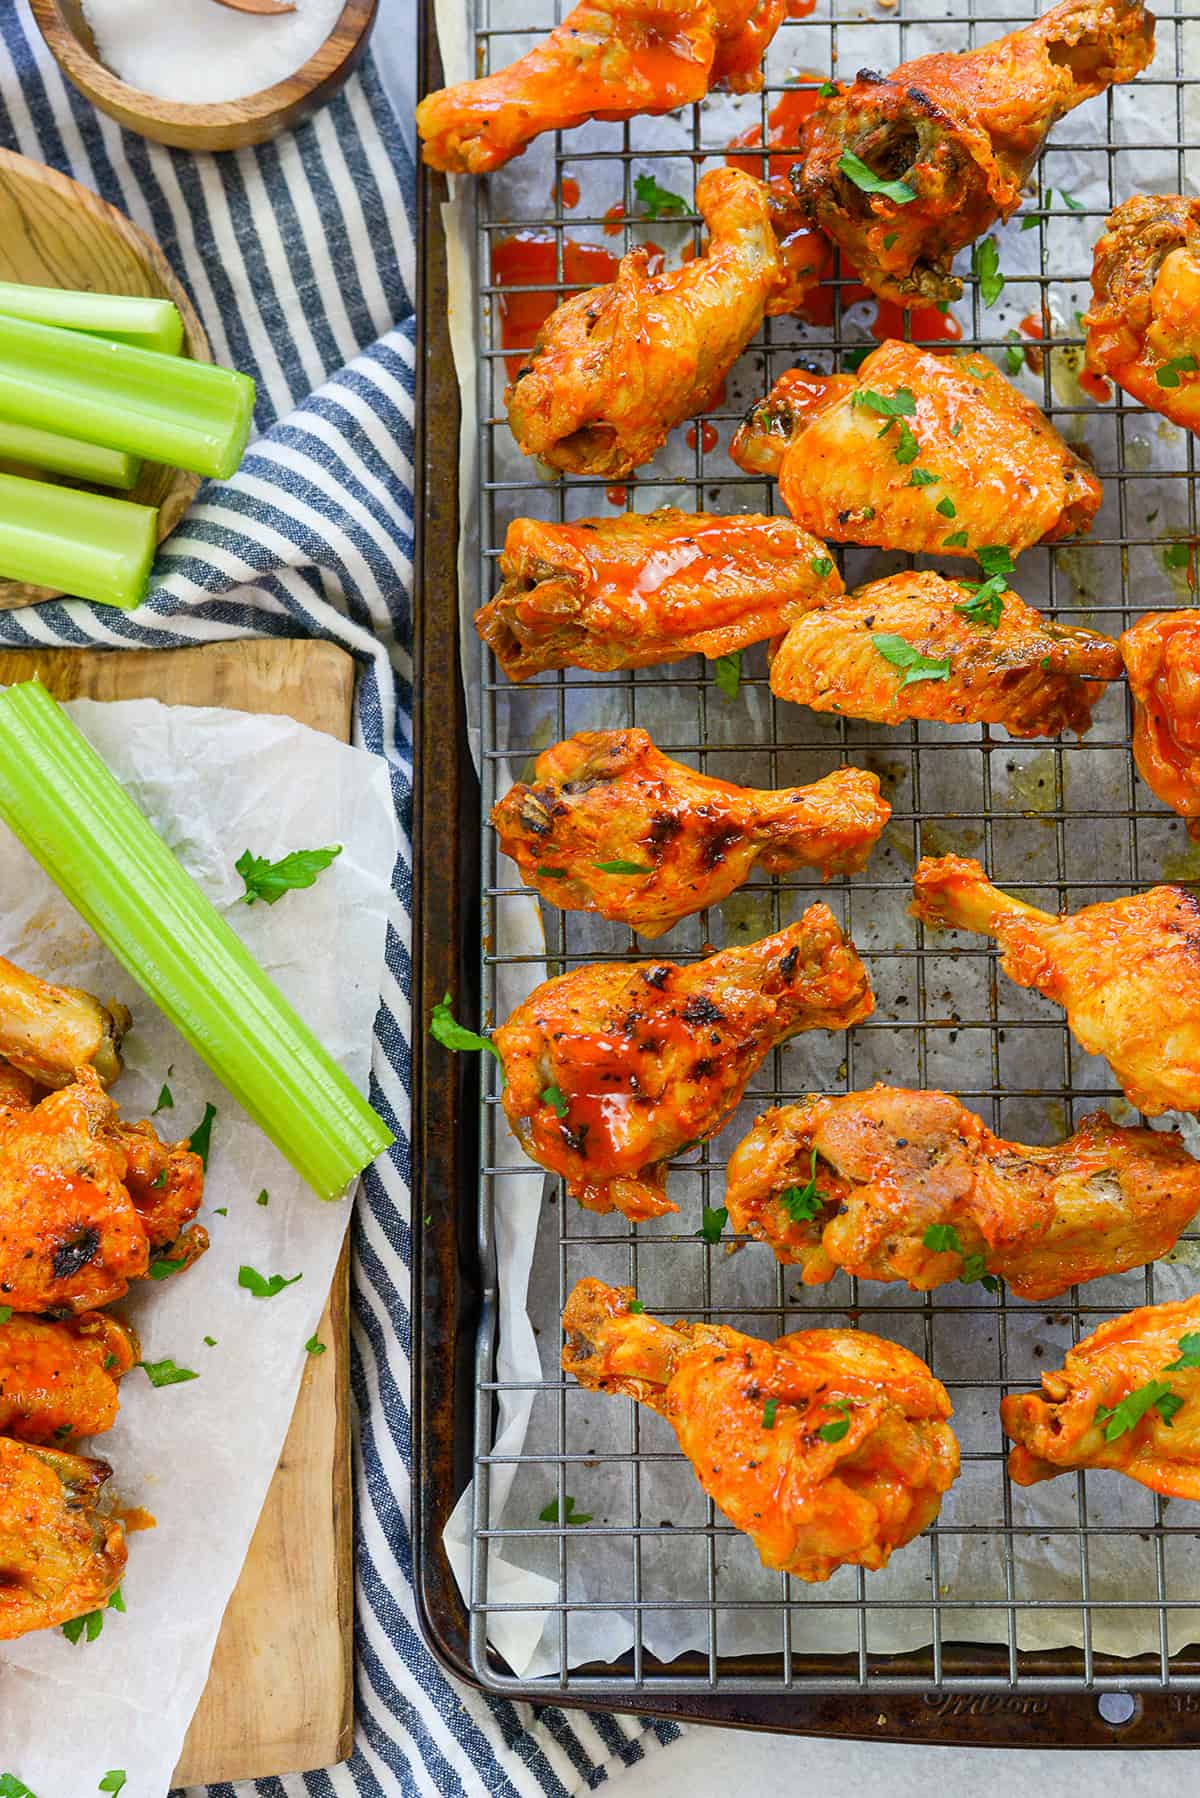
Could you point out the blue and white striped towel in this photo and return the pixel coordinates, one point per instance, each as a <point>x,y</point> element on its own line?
<point>299,257</point>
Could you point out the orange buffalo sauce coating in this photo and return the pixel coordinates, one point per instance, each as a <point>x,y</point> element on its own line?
<point>1162,659</point>
<point>1143,325</point>
<point>529,259</point>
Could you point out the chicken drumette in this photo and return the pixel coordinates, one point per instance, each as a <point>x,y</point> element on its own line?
<point>611,825</point>
<point>1162,660</point>
<point>1127,971</point>
<point>904,171</point>
<point>921,452</point>
<point>628,592</point>
<point>49,1031</point>
<point>59,1556</point>
<point>83,1198</point>
<point>828,1448</point>
<point>612,1069</point>
<point>1143,326</point>
<point>59,1380</point>
<point>1126,1399</point>
<point>918,646</point>
<point>609,59</point>
<point>895,1185</point>
<point>614,369</point>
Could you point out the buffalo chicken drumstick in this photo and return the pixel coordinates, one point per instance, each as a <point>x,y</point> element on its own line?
<point>59,1556</point>
<point>828,1448</point>
<point>1162,659</point>
<point>49,1031</point>
<point>1143,326</point>
<point>59,1380</point>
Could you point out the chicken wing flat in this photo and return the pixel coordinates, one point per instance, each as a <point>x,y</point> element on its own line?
<point>1143,326</point>
<point>609,59</point>
<point>610,825</point>
<point>919,452</point>
<point>59,1557</point>
<point>955,136</point>
<point>896,1185</point>
<point>1126,971</point>
<point>918,646</point>
<point>612,1069</point>
<point>614,370</point>
<point>1126,1399</point>
<point>632,591</point>
<point>59,1380</point>
<point>828,1448</point>
<point>1162,659</point>
<point>49,1031</point>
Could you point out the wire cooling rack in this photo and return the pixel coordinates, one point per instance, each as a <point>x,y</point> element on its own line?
<point>1065,822</point>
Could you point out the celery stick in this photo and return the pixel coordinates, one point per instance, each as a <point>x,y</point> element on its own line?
<point>68,455</point>
<point>165,408</point>
<point>58,797</point>
<point>83,543</point>
<point>130,318</point>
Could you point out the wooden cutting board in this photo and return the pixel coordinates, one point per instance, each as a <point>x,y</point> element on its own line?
<point>280,1697</point>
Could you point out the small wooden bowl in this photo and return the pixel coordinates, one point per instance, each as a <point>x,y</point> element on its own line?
<point>54,233</point>
<point>232,124</point>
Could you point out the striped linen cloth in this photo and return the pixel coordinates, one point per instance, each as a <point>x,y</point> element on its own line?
<point>299,258</point>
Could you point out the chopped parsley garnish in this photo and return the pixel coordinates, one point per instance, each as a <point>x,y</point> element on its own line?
<point>113,1781</point>
<point>1068,200</point>
<point>923,477</point>
<point>89,1625</point>
<point>620,867</point>
<point>852,360</point>
<point>165,1372</point>
<point>445,1029</point>
<point>956,540</point>
<point>550,873</point>
<point>833,1432</point>
<point>549,1513</point>
<point>269,880</point>
<point>314,1347</point>
<point>160,1179</point>
<point>890,239</point>
<point>985,265</point>
<point>728,673</point>
<point>264,1197</point>
<point>974,1268</point>
<point>161,1267</point>
<point>210,1342</point>
<point>6,1312</point>
<point>1168,375</point>
<point>220,1211</point>
<point>117,1601</point>
<point>802,1203</point>
<point>259,1286</point>
<point>769,1410</point>
<point>987,603</point>
<point>556,1099</point>
<point>956,427</point>
<point>655,201</point>
<point>200,1140</point>
<point>636,1308</point>
<point>856,170</point>
<point>900,404</point>
<point>1189,1353</point>
<point>1014,355</point>
<point>822,567</point>
<point>995,558</point>
<point>715,1220</point>
<point>1154,1395</point>
<point>1175,555</point>
<point>166,1101</point>
<point>942,1239</point>
<point>828,90</point>
<point>12,1787</point>
<point>907,448</point>
<point>902,654</point>
<point>947,507</point>
<point>1030,222</point>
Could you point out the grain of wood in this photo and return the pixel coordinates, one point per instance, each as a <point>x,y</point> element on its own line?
<point>280,1696</point>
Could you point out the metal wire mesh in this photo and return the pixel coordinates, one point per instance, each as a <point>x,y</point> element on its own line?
<point>1065,822</point>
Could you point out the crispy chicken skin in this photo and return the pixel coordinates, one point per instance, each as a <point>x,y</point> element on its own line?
<point>1162,660</point>
<point>49,1031</point>
<point>748,1415</point>
<point>1065,1425</point>
<point>1127,971</point>
<point>609,59</point>
<point>887,1165</point>
<point>1144,319</point>
<point>59,1380</point>
<point>71,1233</point>
<point>851,473</point>
<point>961,131</point>
<point>612,1069</point>
<point>613,370</point>
<point>632,591</point>
<point>59,1556</point>
<point>609,796</point>
<point>1034,677</point>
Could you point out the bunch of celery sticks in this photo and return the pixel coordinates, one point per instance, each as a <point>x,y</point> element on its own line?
<point>90,386</point>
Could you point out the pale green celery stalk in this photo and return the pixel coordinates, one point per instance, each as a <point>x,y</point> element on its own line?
<point>81,543</point>
<point>58,797</point>
<point>67,455</point>
<point>130,318</point>
<point>164,408</point>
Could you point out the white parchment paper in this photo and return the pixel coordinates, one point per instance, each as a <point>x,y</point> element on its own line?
<point>199,1456</point>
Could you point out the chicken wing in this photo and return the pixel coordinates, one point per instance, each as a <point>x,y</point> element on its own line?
<point>612,1069</point>
<point>609,59</point>
<point>49,1031</point>
<point>1126,1399</point>
<point>918,646</point>
<point>628,592</point>
<point>1143,326</point>
<point>1127,971</point>
<point>613,370</point>
<point>71,1233</point>
<point>610,825</point>
<point>896,1185</point>
<point>921,452</point>
<point>828,1448</point>
<point>954,137</point>
<point>1162,660</point>
<point>59,1556</point>
<point>59,1380</point>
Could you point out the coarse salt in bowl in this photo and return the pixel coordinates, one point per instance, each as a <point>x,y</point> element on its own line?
<point>196,52</point>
